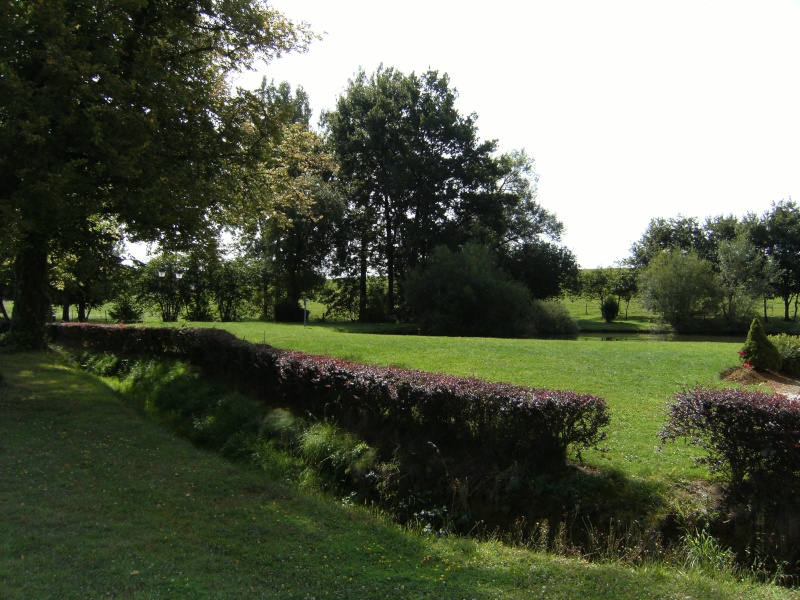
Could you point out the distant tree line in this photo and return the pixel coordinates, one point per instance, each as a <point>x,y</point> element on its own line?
<point>725,268</point>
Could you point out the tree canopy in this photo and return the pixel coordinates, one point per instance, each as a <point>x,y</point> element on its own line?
<point>417,176</point>
<point>121,110</point>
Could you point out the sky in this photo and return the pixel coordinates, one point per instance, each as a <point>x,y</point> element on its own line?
<point>631,109</point>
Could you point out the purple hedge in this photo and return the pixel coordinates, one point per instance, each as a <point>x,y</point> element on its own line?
<point>746,435</point>
<point>464,421</point>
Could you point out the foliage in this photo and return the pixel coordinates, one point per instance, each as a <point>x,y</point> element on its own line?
<point>680,234</point>
<point>340,297</point>
<point>288,311</point>
<point>746,436</point>
<point>609,309</point>
<point>126,309</point>
<point>704,553</point>
<point>625,286</point>
<point>777,233</point>
<point>546,269</point>
<point>788,347</point>
<point>416,177</point>
<point>758,351</point>
<point>121,111</point>
<point>553,318</point>
<point>680,287</point>
<point>233,286</point>
<point>90,275</point>
<point>289,234</point>
<point>162,286</point>
<point>464,293</point>
<point>595,284</point>
<point>745,275</point>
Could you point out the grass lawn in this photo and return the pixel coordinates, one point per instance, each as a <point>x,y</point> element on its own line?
<point>96,501</point>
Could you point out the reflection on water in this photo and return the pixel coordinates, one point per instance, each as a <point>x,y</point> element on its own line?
<point>656,337</point>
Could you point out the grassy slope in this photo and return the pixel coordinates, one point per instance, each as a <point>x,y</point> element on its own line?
<point>95,501</point>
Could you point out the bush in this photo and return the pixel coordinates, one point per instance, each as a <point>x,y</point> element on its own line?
<point>465,293</point>
<point>126,310</point>
<point>788,347</point>
<point>747,436</point>
<point>288,311</point>
<point>758,351</point>
<point>198,312</point>
<point>609,309</point>
<point>682,288</point>
<point>553,318</point>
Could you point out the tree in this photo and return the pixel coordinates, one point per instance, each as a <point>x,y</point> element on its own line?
<point>416,176</point>
<point>503,214</point>
<point>625,286</point>
<point>545,268</point>
<point>595,284</point>
<point>292,238</point>
<point>233,287</point>
<point>161,286</point>
<point>89,276</point>
<point>758,351</point>
<point>679,233</point>
<point>679,286</point>
<point>745,275</point>
<point>407,157</point>
<point>121,111</point>
<point>777,233</point>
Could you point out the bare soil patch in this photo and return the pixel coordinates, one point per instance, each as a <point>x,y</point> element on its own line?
<point>775,383</point>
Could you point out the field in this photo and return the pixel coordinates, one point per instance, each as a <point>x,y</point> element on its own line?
<point>100,502</point>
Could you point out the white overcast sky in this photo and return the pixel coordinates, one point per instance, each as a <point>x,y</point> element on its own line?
<point>632,109</point>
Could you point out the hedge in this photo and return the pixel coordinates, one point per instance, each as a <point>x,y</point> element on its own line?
<point>748,436</point>
<point>463,421</point>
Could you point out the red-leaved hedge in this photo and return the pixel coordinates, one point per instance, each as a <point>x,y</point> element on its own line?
<point>746,435</point>
<point>464,420</point>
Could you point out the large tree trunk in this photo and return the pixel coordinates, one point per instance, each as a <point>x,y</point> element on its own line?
<point>65,309</point>
<point>82,314</point>
<point>31,294</point>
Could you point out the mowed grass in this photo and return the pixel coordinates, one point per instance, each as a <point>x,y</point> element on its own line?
<point>637,376</point>
<point>96,501</point>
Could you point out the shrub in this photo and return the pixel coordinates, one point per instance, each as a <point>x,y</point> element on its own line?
<point>198,312</point>
<point>682,288</point>
<point>125,310</point>
<point>788,347</point>
<point>553,318</point>
<point>746,435</point>
<point>609,309</point>
<point>288,311</point>
<point>465,293</point>
<point>758,351</point>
